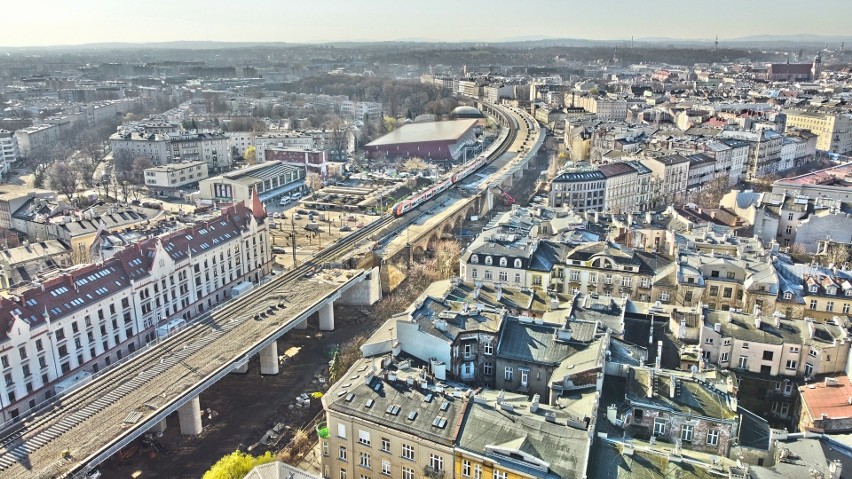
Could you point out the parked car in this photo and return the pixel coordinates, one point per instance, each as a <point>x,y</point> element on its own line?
<point>278,250</point>
<point>345,228</point>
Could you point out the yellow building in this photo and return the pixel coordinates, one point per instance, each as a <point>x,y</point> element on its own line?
<point>833,130</point>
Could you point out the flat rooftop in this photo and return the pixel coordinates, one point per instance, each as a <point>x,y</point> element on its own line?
<point>830,399</point>
<point>423,132</point>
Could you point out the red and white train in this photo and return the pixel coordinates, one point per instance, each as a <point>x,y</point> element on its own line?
<point>441,186</point>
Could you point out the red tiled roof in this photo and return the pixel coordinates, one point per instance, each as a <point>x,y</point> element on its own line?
<point>66,293</point>
<point>832,401</point>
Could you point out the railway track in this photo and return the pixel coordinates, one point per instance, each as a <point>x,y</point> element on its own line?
<point>71,410</point>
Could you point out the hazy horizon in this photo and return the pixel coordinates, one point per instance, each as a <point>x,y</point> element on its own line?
<point>64,23</point>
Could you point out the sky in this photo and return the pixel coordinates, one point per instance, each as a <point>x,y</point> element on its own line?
<point>71,22</point>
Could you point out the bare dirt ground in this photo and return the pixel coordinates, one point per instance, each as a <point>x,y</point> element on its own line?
<point>245,406</point>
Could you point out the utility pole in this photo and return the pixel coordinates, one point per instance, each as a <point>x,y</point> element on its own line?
<point>293,237</point>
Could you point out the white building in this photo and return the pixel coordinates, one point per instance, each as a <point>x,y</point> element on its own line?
<point>8,151</point>
<point>170,179</point>
<point>272,180</point>
<point>165,148</point>
<point>69,326</point>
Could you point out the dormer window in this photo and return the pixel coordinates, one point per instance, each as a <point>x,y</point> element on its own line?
<point>849,292</point>
<point>832,290</point>
<point>788,295</point>
<point>814,288</point>
<point>518,265</point>
<point>474,258</point>
<point>504,262</point>
<point>488,260</point>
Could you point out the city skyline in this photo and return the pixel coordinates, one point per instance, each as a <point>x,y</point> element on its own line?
<point>48,22</point>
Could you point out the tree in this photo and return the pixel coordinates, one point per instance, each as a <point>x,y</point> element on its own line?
<point>236,465</point>
<point>447,254</point>
<point>338,136</point>
<point>415,164</point>
<point>553,166</point>
<point>92,153</point>
<point>250,155</point>
<point>37,162</point>
<point>62,178</point>
<point>836,254</point>
<point>313,181</point>
<point>140,164</point>
<point>122,162</point>
<point>712,192</point>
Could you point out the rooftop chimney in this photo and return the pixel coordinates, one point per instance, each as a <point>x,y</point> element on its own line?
<point>534,403</point>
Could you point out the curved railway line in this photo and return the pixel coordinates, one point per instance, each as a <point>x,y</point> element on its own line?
<point>71,410</point>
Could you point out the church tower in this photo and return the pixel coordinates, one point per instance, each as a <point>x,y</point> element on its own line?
<point>816,69</point>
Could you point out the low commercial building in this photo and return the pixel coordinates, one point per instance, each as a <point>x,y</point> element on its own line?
<point>172,179</point>
<point>271,180</point>
<point>441,141</point>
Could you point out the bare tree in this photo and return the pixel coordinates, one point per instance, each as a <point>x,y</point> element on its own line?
<point>92,153</point>
<point>38,162</point>
<point>553,166</point>
<point>122,161</point>
<point>836,254</point>
<point>338,136</point>
<point>711,194</point>
<point>63,178</point>
<point>313,181</point>
<point>140,164</point>
<point>447,254</point>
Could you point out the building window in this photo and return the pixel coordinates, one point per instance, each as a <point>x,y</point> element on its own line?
<point>488,260</point>
<point>708,341</point>
<point>627,281</point>
<point>364,460</point>
<point>812,353</point>
<point>829,306</point>
<point>813,304</point>
<point>474,259</point>
<point>686,433</point>
<point>477,471</point>
<point>342,473</point>
<point>488,275</point>
<point>341,431</point>
<point>509,374</point>
<point>791,364</point>
<point>436,462</point>
<point>474,273</point>
<point>727,292</point>
<point>517,277</point>
<point>465,470</point>
<point>731,275</point>
<point>713,437</point>
<point>575,276</point>
<point>767,355</point>
<point>498,474</point>
<point>503,262</point>
<point>386,467</point>
<point>487,369</point>
<point>743,364</point>
<point>664,296</point>
<point>723,358</point>
<point>503,276</point>
<point>385,444</point>
<point>788,295</point>
<point>408,452</point>
<point>341,453</point>
<point>593,278</point>
<point>407,473</point>
<point>659,427</point>
<point>488,349</point>
<point>364,437</point>
<point>518,263</point>
<point>714,291</point>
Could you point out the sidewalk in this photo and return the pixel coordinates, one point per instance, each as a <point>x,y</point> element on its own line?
<point>312,462</point>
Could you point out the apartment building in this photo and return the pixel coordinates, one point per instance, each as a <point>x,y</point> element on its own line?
<point>627,187</point>
<point>581,190</point>
<point>678,409</point>
<point>164,148</point>
<point>764,151</point>
<point>671,173</point>
<point>604,108</point>
<point>508,435</point>
<point>731,157</point>
<point>8,149</point>
<point>389,418</point>
<point>772,354</point>
<point>65,328</point>
<point>833,129</point>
